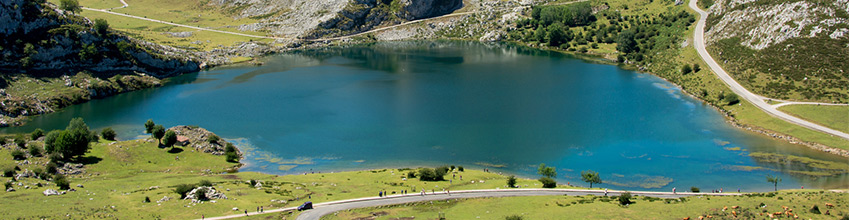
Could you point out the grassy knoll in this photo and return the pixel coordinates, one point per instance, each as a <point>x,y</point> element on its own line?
<point>599,207</point>
<point>120,175</point>
<point>835,117</point>
<point>746,113</point>
<point>159,33</point>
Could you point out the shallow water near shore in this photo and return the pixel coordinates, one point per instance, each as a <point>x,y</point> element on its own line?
<point>502,107</point>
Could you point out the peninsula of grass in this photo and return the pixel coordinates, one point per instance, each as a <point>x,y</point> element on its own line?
<point>835,117</point>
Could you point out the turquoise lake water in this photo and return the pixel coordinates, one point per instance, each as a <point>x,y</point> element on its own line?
<point>502,107</point>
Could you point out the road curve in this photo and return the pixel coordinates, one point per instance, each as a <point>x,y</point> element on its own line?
<point>325,208</point>
<point>699,44</point>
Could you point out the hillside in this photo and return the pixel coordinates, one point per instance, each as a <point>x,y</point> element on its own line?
<point>53,58</point>
<point>782,49</point>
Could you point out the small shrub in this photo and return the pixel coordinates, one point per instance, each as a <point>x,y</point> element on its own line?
<point>18,155</point>
<point>205,183</point>
<point>50,167</point>
<point>201,194</point>
<point>108,134</point>
<point>182,189</point>
<point>2,141</point>
<point>39,172</point>
<point>694,189</point>
<point>815,209</point>
<point>513,217</point>
<point>229,148</point>
<point>686,69</point>
<point>20,141</point>
<point>460,168</point>
<point>411,175</point>
<point>54,157</point>
<point>512,181</point>
<point>35,151</point>
<point>8,185</point>
<point>453,167</point>
<point>231,157</point>
<point>252,182</point>
<point>548,182</point>
<point>9,172</point>
<point>36,134</point>
<point>625,198</point>
<point>147,199</point>
<point>213,139</point>
<point>62,182</point>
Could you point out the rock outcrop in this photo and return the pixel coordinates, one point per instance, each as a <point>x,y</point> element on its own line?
<point>418,9</point>
<point>209,194</point>
<point>198,139</point>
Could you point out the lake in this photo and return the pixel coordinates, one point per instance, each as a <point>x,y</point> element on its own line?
<point>496,106</point>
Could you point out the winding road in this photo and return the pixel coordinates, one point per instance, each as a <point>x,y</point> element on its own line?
<point>758,101</point>
<point>322,209</point>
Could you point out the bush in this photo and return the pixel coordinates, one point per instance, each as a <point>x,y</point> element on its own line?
<point>201,194</point>
<point>548,182</point>
<point>18,155</point>
<point>35,151</point>
<point>815,209</point>
<point>625,198</point>
<point>20,141</point>
<point>54,157</point>
<point>696,67</point>
<point>212,139</point>
<point>205,183</point>
<point>108,134</point>
<point>460,168</point>
<point>452,167</point>
<point>39,173</point>
<point>694,189</point>
<point>231,157</point>
<point>731,99</point>
<point>513,217</point>
<point>36,134</point>
<point>70,5</point>
<point>182,189</point>
<point>428,174</point>
<point>51,167</point>
<point>147,199</point>
<point>101,26</point>
<point>8,185</point>
<point>9,172</point>
<point>686,69</point>
<point>62,182</point>
<point>2,141</point>
<point>512,181</point>
<point>411,174</point>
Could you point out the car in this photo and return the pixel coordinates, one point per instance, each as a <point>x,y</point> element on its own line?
<point>305,206</point>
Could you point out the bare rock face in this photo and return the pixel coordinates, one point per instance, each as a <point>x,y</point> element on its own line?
<point>418,9</point>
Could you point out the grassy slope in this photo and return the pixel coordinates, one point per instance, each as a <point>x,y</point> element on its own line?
<point>835,117</point>
<point>596,207</point>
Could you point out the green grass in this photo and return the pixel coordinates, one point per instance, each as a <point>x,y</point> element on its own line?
<point>835,117</point>
<point>746,113</point>
<point>100,4</point>
<point>598,207</point>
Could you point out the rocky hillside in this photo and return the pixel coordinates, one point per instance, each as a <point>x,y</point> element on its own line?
<point>363,15</point>
<point>786,49</point>
<point>291,18</point>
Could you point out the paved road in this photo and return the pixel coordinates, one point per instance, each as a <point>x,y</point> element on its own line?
<point>322,209</point>
<point>758,101</point>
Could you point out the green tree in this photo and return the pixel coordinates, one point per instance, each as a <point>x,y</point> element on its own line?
<point>70,5</point>
<point>61,182</point>
<point>50,141</point>
<point>87,52</point>
<point>557,35</point>
<point>696,67</point>
<point>157,132</point>
<point>626,42</point>
<point>731,99</point>
<point>108,134</point>
<point>686,69</point>
<point>149,126</point>
<point>540,34</point>
<point>74,140</point>
<point>230,153</point>
<point>101,26</point>
<point>775,180</point>
<point>548,182</point>
<point>183,189</point>
<point>37,133</point>
<point>512,181</point>
<point>590,177</point>
<point>546,171</point>
<point>170,138</point>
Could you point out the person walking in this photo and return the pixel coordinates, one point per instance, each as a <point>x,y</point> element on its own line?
<point>674,190</point>
<point>606,191</point>
<point>380,194</point>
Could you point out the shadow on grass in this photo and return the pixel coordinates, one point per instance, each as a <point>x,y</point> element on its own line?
<point>175,150</point>
<point>87,160</point>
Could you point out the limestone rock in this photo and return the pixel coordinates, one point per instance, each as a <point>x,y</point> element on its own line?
<point>50,192</point>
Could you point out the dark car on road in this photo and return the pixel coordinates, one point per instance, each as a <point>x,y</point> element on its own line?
<point>305,206</point>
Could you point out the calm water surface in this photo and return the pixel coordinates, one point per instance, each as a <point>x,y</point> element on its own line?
<point>409,104</point>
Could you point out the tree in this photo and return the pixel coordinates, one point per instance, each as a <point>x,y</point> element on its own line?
<point>731,99</point>
<point>512,181</point>
<point>87,52</point>
<point>70,5</point>
<point>61,182</point>
<point>74,140</point>
<point>626,41</point>
<point>548,182</point>
<point>149,125</point>
<point>540,34</point>
<point>101,26</point>
<point>591,177</point>
<point>546,171</point>
<point>108,134</point>
<point>686,69</point>
<point>157,132</point>
<point>183,189</point>
<point>37,133</point>
<point>170,138</point>
<point>557,35</point>
<point>625,198</point>
<point>50,141</point>
<point>696,67</point>
<point>230,153</point>
<point>775,180</point>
